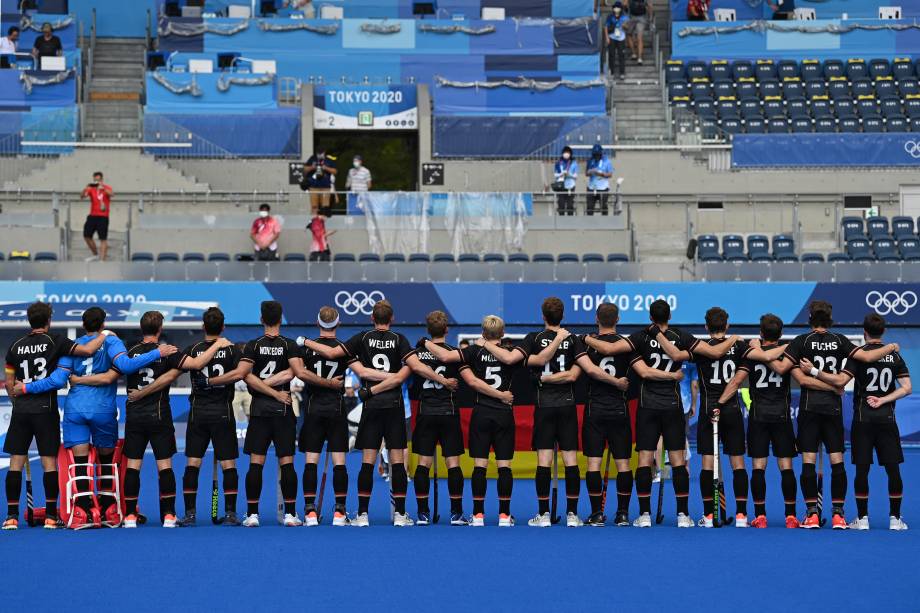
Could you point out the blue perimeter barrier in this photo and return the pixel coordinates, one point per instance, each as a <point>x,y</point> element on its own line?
<point>783,150</point>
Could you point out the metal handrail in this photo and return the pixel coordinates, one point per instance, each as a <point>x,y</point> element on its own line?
<point>148,34</point>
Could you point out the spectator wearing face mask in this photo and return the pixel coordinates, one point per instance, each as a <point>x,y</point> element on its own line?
<point>616,40</point>
<point>359,177</point>
<point>319,178</point>
<point>565,172</point>
<point>598,170</point>
<point>264,234</point>
<point>319,239</point>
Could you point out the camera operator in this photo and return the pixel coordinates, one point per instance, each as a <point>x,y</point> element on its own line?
<point>97,222</point>
<point>319,179</point>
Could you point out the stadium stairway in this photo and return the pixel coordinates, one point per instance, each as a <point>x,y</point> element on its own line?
<point>113,102</point>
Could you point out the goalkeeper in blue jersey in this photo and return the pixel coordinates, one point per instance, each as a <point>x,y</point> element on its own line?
<point>90,414</point>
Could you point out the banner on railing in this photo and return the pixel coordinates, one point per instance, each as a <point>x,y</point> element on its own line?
<point>397,222</point>
<point>385,107</point>
<point>784,150</point>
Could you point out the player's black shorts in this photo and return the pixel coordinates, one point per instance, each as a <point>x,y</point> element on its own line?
<point>221,433</point>
<point>160,435</point>
<point>492,429</point>
<point>600,431</point>
<point>45,428</point>
<point>815,428</point>
<point>883,437</point>
<point>731,433</point>
<point>319,428</point>
<point>433,429</point>
<point>762,434</point>
<point>651,424</point>
<point>96,224</point>
<point>555,425</point>
<point>264,430</point>
<point>379,425</point>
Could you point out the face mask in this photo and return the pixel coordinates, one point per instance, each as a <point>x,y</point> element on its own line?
<point>263,213</point>
<point>566,156</point>
<point>616,12</point>
<point>357,163</point>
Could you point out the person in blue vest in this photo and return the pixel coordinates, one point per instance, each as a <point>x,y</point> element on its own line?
<point>565,172</point>
<point>616,40</point>
<point>599,170</point>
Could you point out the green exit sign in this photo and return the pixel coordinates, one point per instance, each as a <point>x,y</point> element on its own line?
<point>365,118</point>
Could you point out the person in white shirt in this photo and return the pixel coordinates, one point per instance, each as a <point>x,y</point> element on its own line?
<point>9,42</point>
<point>359,177</point>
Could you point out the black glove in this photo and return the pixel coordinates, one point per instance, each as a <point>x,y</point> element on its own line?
<point>421,342</point>
<point>717,410</point>
<point>364,393</point>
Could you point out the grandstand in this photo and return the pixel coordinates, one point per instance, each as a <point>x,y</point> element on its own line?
<point>764,164</point>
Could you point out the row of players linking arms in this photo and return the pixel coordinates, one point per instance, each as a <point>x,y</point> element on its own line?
<point>822,362</point>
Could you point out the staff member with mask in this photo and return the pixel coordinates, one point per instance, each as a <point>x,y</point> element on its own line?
<point>264,234</point>
<point>319,178</point>
<point>599,170</point>
<point>565,172</point>
<point>359,177</point>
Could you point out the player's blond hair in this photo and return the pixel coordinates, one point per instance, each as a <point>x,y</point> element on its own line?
<point>328,315</point>
<point>493,327</point>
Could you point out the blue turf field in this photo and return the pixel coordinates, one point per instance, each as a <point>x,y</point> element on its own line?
<point>449,568</point>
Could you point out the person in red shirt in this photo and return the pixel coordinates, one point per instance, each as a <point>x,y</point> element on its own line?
<point>319,246</point>
<point>264,234</point>
<point>97,222</point>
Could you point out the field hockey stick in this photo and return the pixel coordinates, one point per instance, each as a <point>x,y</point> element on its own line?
<point>215,495</point>
<point>717,477</point>
<point>659,515</point>
<point>322,490</point>
<point>553,516</point>
<point>30,504</point>
<point>279,499</point>
<point>820,502</point>
<point>435,517</point>
<point>606,480</point>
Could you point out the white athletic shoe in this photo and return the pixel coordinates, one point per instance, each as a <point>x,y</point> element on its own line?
<point>478,520</point>
<point>505,521</point>
<point>401,520</point>
<point>360,521</point>
<point>292,521</point>
<point>657,477</point>
<point>741,520</point>
<point>129,522</point>
<point>540,521</point>
<point>643,521</point>
<point>92,258</point>
<point>251,521</point>
<point>572,520</point>
<point>311,519</point>
<point>705,521</point>
<point>169,521</point>
<point>339,519</point>
<point>684,521</point>
<point>896,523</point>
<point>860,523</point>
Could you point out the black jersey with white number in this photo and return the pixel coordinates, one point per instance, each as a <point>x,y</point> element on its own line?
<point>154,407</point>
<point>486,366</point>
<point>603,398</point>
<point>660,395</point>
<point>715,374</point>
<point>875,379</point>
<point>434,398</point>
<point>382,350</point>
<point>828,351</point>
<point>552,394</point>
<point>34,357</point>
<point>325,400</point>
<point>211,402</point>
<point>269,355</point>
<point>771,392</point>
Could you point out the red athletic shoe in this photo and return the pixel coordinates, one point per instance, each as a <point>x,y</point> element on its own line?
<point>812,522</point>
<point>792,522</point>
<point>839,522</point>
<point>759,522</point>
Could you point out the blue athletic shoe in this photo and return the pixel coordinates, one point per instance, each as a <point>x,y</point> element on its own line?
<point>457,519</point>
<point>423,519</point>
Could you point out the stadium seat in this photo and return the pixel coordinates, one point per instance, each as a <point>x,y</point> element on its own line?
<point>885,87</point>
<point>834,69</point>
<point>838,257</point>
<point>890,106</point>
<point>419,257</point>
<point>443,257</point>
<point>46,256</point>
<point>720,69</point>
<point>674,71</point>
<point>908,86</point>
<point>802,124</point>
<point>368,257</point>
<point>343,257</point>
<point>142,256</point>
<point>902,68</point>
<point>219,257</point>
<point>873,124</point>
<point>769,89</point>
<point>394,257</point>
<point>750,109</point>
<point>746,89</point>
<point>812,257</point>
<point>379,272</point>
<point>861,87</point>
<point>168,256</point>
<point>570,272</point>
<point>879,67</point>
<point>731,125</point>
<point>543,257</point>
<point>909,248</point>
<point>825,124</point>
<point>518,257</point>
<point>294,257</point>
<point>838,89</point>
<point>797,108</point>
<point>766,69</point>
<point>912,105</point>
<point>867,107</point>
<point>815,89</point>
<point>885,250</point>
<point>742,69</point>
<point>777,125</point>
<point>858,247</point>
<point>849,124</point>
<point>877,227</point>
<point>902,227</point>
<point>733,246</point>
<point>508,272</point>
<point>793,88</point>
<point>844,109</point>
<point>812,71</point>
<point>697,69</point>
<point>443,272</point>
<point>783,246</point>
<point>468,257</point>
<point>708,248</point>
<point>820,107</point>
<point>706,109</point>
<point>723,89</point>
<point>773,108</point>
<point>761,257</point>
<point>193,257</point>
<point>347,272</point>
<point>412,272</point>
<point>758,244</point>
<point>567,257</point>
<point>592,257</point>
<point>470,271</point>
<point>617,257</point>
<point>787,69</point>
<point>856,69</point>
<point>897,123</point>
<point>755,125</point>
<point>493,257</point>
<point>540,272</point>
<point>320,272</point>
<point>678,89</point>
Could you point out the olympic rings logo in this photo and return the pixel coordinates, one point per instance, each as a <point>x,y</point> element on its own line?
<point>358,302</point>
<point>891,302</point>
<point>912,148</point>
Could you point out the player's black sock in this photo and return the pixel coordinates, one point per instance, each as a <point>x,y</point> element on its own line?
<point>861,489</point>
<point>190,488</point>
<point>895,488</point>
<point>231,486</point>
<point>365,486</point>
<point>478,485</point>
<point>340,484</point>
<point>400,481</point>
<point>740,485</point>
<point>809,481</point>
<point>644,488</point>
<point>455,488</point>
<point>572,488</point>
<point>106,484</point>
<point>595,489</point>
<point>289,488</point>
<point>681,480</point>
<point>707,477</point>
<point>167,492</point>
<point>542,482</point>
<point>309,485</point>
<point>84,502</point>
<point>13,492</point>
<point>253,488</point>
<point>838,485</point>
<point>50,481</point>
<point>787,479</point>
<point>624,490</point>
<point>759,490</point>
<point>421,482</point>
<point>505,484</point>
<point>132,489</point>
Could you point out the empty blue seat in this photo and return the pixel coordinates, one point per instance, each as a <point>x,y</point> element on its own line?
<point>812,257</point>
<point>719,69</point>
<point>912,105</point>
<point>902,226</point>
<point>219,257</point>
<point>858,247</point>
<point>746,89</point>
<point>844,108</point>
<point>697,69</point>
<point>849,124</point>
<point>394,257</point>
<point>674,71</point>
<point>761,257</point>
<point>708,247</point>
<point>193,257</point>
<point>755,125</point>
<point>732,124</point>
<point>758,243</point>
<point>493,257</point>
<point>294,257</point>
<point>815,89</point>
<point>518,257</point>
<point>873,124</point>
<point>543,257</point>
<point>879,67</point>
<point>765,69</point>
<point>838,89</point>
<point>867,107</point>
<point>877,227</point>
<point>732,246</point>
<point>343,257</point>
<point>723,89</point>
<point>419,257</point>
<point>617,257</point>
<point>885,250</point>
<point>886,87</point>
<point>700,90</point>
<point>468,257</point>
<point>727,107</point>
<point>783,245</point>
<point>802,124</point>
<point>567,257</point>
<point>825,124</point>
<point>443,257</point>
<point>46,256</point>
<point>793,88</point>
<point>681,102</point>
<point>368,257</point>
<point>812,71</point>
<point>862,87</point>
<point>678,89</point>
<point>773,107</point>
<point>592,257</point>
<point>908,86</point>
<point>705,108</point>
<point>852,227</point>
<point>909,248</point>
<point>742,69</point>
<point>243,257</point>
<point>834,69</point>
<point>838,257</point>
<point>820,107</point>
<point>897,123</point>
<point>890,106</point>
<point>856,69</point>
<point>769,89</point>
<point>797,107</point>
<point>787,69</point>
<point>750,108</point>
<point>168,256</point>
<point>902,68</point>
<point>777,125</point>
